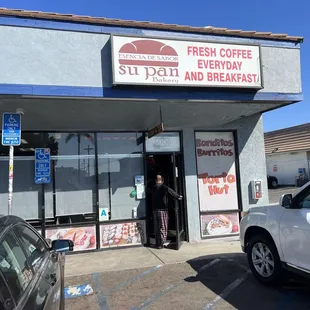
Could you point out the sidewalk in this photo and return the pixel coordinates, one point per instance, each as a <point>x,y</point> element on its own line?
<point>131,258</point>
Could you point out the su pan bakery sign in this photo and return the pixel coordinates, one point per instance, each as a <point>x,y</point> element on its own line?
<point>149,61</point>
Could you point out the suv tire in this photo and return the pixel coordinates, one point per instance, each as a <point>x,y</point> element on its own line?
<point>264,260</point>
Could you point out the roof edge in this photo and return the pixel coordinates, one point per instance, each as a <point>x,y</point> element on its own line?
<point>286,129</point>
<point>148,25</point>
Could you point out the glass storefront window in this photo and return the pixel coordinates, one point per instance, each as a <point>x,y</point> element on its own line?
<point>73,159</point>
<point>120,159</point>
<point>26,194</point>
<point>73,188</point>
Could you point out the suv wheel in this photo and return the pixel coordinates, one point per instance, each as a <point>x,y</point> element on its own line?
<point>264,259</point>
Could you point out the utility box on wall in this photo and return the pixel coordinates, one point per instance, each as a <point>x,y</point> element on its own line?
<point>257,189</point>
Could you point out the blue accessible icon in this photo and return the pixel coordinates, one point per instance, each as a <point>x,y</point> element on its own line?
<point>11,129</point>
<point>42,166</point>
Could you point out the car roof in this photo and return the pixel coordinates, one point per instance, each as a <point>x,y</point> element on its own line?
<point>8,220</point>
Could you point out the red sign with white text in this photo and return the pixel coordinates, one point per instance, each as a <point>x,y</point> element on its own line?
<point>147,61</point>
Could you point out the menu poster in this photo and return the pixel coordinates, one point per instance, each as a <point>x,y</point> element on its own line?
<point>84,238</point>
<point>219,224</point>
<point>217,185</point>
<point>122,234</point>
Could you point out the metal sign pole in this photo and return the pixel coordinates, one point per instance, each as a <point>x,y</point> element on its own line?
<point>11,136</point>
<point>11,166</point>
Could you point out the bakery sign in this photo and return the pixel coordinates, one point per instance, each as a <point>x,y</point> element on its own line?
<point>150,61</point>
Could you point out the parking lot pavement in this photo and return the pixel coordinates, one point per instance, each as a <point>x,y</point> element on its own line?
<point>275,194</point>
<point>209,282</point>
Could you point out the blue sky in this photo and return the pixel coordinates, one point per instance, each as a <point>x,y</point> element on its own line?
<point>280,16</point>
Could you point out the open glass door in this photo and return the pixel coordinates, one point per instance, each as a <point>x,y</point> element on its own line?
<point>179,204</point>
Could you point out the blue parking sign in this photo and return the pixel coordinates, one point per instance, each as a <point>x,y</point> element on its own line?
<point>11,129</point>
<point>42,166</point>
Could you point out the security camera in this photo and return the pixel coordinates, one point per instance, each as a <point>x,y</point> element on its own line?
<point>20,111</point>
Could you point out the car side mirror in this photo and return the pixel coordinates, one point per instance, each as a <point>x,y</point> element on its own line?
<point>62,245</point>
<point>286,200</point>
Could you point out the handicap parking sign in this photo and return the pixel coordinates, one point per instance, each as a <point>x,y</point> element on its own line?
<point>42,166</point>
<point>11,129</point>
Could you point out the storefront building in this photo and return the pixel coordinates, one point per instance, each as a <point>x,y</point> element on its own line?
<point>91,89</point>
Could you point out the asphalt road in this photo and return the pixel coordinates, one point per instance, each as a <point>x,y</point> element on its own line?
<point>218,282</point>
<point>274,194</point>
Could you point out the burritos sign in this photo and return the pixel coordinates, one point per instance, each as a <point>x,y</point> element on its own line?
<point>148,61</point>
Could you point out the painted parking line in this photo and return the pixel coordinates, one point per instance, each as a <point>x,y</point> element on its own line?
<point>157,295</point>
<point>203,268</point>
<point>133,279</point>
<point>171,287</point>
<point>226,292</point>
<point>75,291</point>
<point>102,301</point>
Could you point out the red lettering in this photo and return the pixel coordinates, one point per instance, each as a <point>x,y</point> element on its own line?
<point>236,53</point>
<point>212,190</point>
<point>187,77</point>
<point>209,76</point>
<point>224,174</point>
<point>193,76</point>
<point>226,188</point>
<point>122,70</point>
<point>231,178</point>
<point>210,180</point>
<point>201,51</point>
<point>216,190</point>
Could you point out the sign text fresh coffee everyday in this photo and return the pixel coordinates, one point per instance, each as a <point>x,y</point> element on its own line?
<point>147,61</point>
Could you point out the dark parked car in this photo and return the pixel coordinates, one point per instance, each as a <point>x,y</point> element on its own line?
<point>31,271</point>
<point>272,181</point>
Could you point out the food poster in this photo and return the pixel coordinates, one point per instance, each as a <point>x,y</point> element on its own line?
<point>84,238</point>
<point>121,234</point>
<point>219,224</point>
<point>217,184</point>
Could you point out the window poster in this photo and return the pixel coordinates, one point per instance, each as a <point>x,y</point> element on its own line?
<point>219,224</point>
<point>217,186</point>
<point>122,234</point>
<point>84,238</point>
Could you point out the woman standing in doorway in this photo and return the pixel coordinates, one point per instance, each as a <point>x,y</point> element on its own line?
<point>160,194</point>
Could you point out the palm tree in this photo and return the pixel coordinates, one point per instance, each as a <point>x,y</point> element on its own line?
<point>70,136</point>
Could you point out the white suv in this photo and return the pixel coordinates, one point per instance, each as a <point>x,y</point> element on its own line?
<point>277,237</point>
